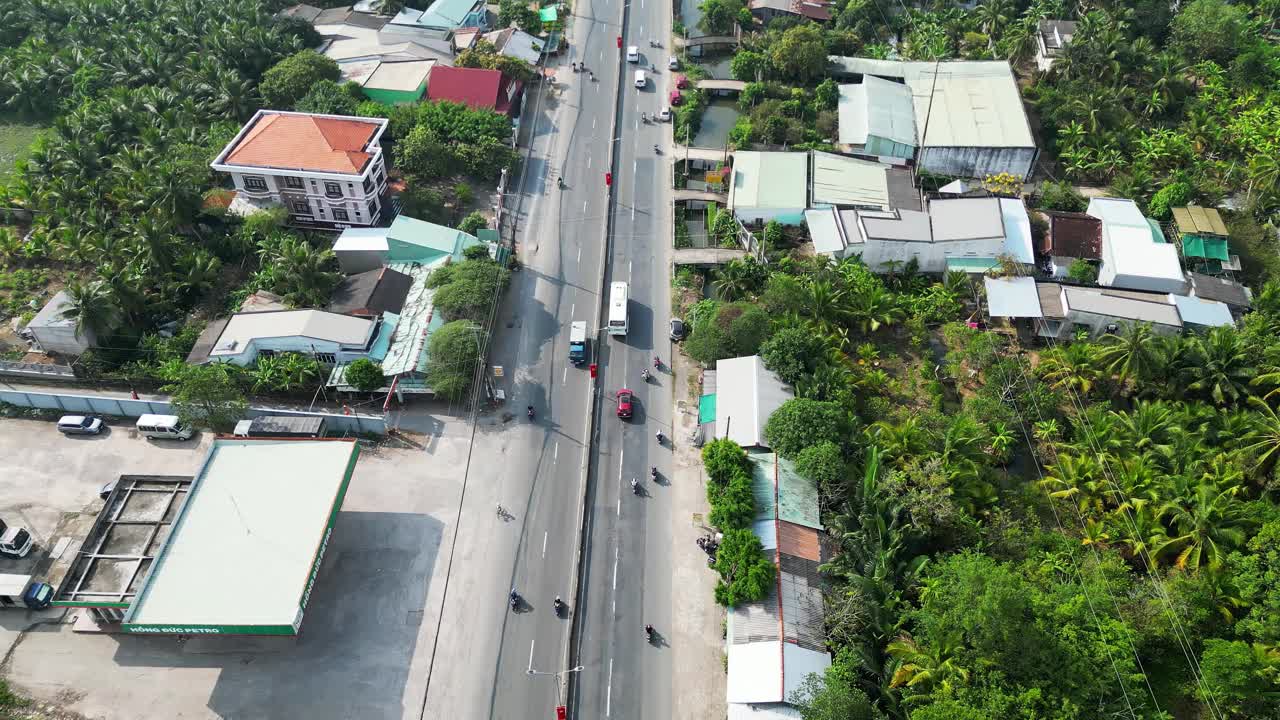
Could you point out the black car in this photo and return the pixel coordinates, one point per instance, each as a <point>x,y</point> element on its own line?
<point>677,329</point>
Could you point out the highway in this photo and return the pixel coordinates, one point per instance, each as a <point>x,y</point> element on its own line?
<point>537,467</point>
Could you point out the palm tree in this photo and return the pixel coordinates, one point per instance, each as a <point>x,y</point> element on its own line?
<point>1071,368</point>
<point>1078,478</point>
<point>306,278</point>
<point>1224,368</point>
<point>873,307</point>
<point>925,667</point>
<point>1265,447</point>
<point>734,280</point>
<point>992,16</point>
<point>1205,526</point>
<point>1131,356</point>
<point>92,308</point>
<point>826,304</point>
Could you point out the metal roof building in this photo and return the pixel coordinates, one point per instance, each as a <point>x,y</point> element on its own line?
<point>747,395</point>
<point>877,117</point>
<point>1134,252</point>
<point>770,186</point>
<point>1014,297</point>
<point>969,117</point>
<point>244,551</point>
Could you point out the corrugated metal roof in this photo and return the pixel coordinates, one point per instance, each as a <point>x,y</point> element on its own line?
<point>1015,297</point>
<point>845,181</point>
<point>1199,220</point>
<point>797,496</point>
<point>876,108</point>
<point>1222,290</point>
<point>404,76</point>
<point>244,328</point>
<point>757,392</point>
<point>1074,235</point>
<point>823,231</point>
<point>770,180</point>
<point>1121,308</point>
<point>1205,313</point>
<point>904,225</point>
<point>1017,230</point>
<point>1051,300</point>
<point>798,541</point>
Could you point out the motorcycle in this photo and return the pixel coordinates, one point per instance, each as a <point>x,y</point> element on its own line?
<point>661,438</point>
<point>644,118</point>
<point>648,632</point>
<point>653,472</point>
<point>558,605</point>
<point>515,600</point>
<point>656,151</point>
<point>657,361</point>
<point>644,374</point>
<point>635,486</point>
<point>530,412</point>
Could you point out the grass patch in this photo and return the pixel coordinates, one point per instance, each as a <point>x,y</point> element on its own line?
<point>15,141</point>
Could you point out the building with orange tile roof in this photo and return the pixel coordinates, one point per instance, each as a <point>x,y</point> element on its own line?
<point>326,170</point>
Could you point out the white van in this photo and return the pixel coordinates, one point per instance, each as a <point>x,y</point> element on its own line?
<point>633,54</point>
<point>640,79</point>
<point>164,427</point>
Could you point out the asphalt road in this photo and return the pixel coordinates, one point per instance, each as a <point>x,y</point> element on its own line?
<point>512,663</point>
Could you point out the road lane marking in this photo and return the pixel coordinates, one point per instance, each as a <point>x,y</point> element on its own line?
<point>531,654</point>
<point>619,512</point>
<point>584,207</point>
<point>563,379</point>
<point>588,161</point>
<point>593,127</point>
<point>608,693</point>
<point>628,267</point>
<point>615,570</point>
<point>575,305</point>
<point>555,455</point>
<point>544,545</point>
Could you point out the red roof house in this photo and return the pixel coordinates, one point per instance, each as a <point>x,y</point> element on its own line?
<point>476,88</point>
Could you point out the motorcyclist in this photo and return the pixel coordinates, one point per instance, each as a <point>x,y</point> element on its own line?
<point>635,486</point>
<point>558,604</point>
<point>653,471</point>
<point>657,361</point>
<point>515,598</point>
<point>529,410</point>
<point>655,147</point>
<point>648,631</point>
<point>659,436</point>
<point>644,373</point>
<point>560,182</point>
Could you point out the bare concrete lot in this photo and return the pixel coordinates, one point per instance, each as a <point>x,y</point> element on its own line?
<point>367,634</point>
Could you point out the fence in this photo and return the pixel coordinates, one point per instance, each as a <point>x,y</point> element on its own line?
<point>127,407</point>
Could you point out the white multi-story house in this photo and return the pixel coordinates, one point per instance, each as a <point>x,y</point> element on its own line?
<point>326,170</point>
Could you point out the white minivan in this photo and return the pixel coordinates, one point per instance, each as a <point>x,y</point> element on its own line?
<point>633,54</point>
<point>164,427</point>
<point>641,81</point>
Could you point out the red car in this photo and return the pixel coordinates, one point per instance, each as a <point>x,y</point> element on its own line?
<point>624,403</point>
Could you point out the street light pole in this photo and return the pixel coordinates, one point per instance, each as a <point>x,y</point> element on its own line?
<point>556,675</point>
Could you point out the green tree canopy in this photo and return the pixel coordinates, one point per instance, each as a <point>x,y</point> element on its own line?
<point>801,423</point>
<point>327,97</point>
<point>746,572</point>
<point>467,290</point>
<point>365,375</point>
<point>733,504</point>
<point>289,80</point>
<point>208,396</point>
<point>800,55</point>
<point>452,354</point>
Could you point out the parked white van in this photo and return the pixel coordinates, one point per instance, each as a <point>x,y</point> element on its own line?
<point>164,427</point>
<point>633,54</point>
<point>641,82</point>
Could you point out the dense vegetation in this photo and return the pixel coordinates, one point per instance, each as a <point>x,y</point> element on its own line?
<point>1077,531</point>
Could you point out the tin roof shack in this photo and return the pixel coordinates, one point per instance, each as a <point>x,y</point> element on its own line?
<point>54,332</point>
<point>1070,237</point>
<point>877,118</point>
<point>245,549</point>
<point>1203,238</point>
<point>281,426</point>
<point>748,395</point>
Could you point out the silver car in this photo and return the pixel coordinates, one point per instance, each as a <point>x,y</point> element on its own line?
<point>79,425</point>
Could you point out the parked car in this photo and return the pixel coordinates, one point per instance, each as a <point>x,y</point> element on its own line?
<point>665,114</point>
<point>674,63</point>
<point>79,425</point>
<point>677,329</point>
<point>625,397</point>
<point>15,542</point>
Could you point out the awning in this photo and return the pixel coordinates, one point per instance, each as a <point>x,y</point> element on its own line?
<point>706,409</point>
<point>1212,248</point>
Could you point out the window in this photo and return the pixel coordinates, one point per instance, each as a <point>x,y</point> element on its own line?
<point>293,183</point>
<point>333,189</point>
<point>301,207</point>
<point>368,185</point>
<point>326,358</point>
<point>266,353</point>
<point>373,208</point>
<point>340,215</point>
<point>253,182</point>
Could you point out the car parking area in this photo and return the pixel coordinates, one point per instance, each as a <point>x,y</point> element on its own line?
<point>369,626</point>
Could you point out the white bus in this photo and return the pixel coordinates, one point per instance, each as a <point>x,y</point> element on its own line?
<point>618,308</point>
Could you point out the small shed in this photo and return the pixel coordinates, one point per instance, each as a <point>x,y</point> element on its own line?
<point>1014,297</point>
<point>54,332</point>
<point>1203,237</point>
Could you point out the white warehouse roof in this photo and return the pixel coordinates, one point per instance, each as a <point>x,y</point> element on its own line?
<point>759,673</point>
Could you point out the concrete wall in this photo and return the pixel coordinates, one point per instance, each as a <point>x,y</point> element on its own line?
<point>1097,324</point>
<point>978,162</point>
<point>1108,277</point>
<point>931,256</point>
<point>396,97</point>
<point>125,407</point>
<point>305,346</point>
<point>62,339</point>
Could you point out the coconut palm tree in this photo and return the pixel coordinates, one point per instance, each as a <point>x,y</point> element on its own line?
<point>872,308</point>
<point>925,667</point>
<point>306,277</point>
<point>91,307</point>
<point>992,16</point>
<point>1267,436</point>
<point>1224,370</point>
<point>1204,526</point>
<point>1131,356</point>
<point>1071,368</point>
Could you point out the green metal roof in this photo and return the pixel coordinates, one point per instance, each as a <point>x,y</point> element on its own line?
<point>1213,248</point>
<point>972,265</point>
<point>797,497</point>
<point>707,408</point>
<point>410,240</point>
